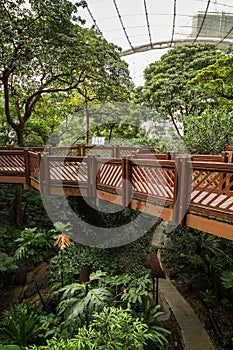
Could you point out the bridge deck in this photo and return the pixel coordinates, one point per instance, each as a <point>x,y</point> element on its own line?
<point>195,191</point>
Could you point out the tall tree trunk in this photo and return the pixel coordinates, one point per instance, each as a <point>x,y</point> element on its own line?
<point>175,125</point>
<point>20,138</point>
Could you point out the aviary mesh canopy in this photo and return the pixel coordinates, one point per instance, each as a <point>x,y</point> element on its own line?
<point>141,25</point>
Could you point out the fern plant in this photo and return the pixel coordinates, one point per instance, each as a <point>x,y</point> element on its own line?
<point>20,324</point>
<point>227,279</point>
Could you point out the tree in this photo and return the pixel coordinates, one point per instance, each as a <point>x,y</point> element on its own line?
<point>166,87</point>
<point>118,120</point>
<point>48,114</point>
<point>45,50</point>
<point>210,132</point>
<point>218,78</point>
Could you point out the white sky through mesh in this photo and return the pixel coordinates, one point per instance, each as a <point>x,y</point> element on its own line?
<point>142,25</point>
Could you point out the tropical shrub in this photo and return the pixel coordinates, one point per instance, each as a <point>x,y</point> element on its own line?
<point>20,324</point>
<point>33,243</point>
<point>7,263</point>
<point>112,329</point>
<point>209,132</point>
<point>79,301</point>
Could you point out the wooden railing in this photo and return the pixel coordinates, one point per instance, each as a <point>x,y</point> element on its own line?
<point>183,185</point>
<point>213,189</point>
<point>12,165</point>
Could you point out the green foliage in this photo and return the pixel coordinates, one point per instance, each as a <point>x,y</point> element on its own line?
<point>117,121</point>
<point>228,340</point>
<point>33,211</point>
<point>45,51</point>
<point>7,263</point>
<point>50,111</point>
<point>111,329</point>
<point>130,289</point>
<point>8,231</point>
<point>200,258</point>
<point>227,279</point>
<point>209,132</point>
<point>49,326</point>
<point>217,79</point>
<point>33,243</point>
<point>70,267</point>
<point>10,347</point>
<point>20,324</point>
<point>209,298</point>
<point>80,301</point>
<point>118,260</point>
<point>167,87</point>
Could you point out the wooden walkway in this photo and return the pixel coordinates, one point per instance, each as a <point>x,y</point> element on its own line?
<point>196,191</point>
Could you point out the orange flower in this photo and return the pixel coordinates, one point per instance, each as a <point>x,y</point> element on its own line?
<point>63,241</point>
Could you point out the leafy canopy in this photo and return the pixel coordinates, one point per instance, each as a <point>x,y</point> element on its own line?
<point>167,87</point>
<point>44,49</point>
<point>218,78</point>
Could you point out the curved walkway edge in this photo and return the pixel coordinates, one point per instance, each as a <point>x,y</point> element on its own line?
<point>193,331</point>
<point>194,334</point>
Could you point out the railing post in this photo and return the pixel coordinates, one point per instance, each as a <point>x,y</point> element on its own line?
<point>225,179</point>
<point>126,174</point>
<point>79,150</point>
<point>117,151</point>
<point>228,176</point>
<point>113,151</point>
<point>48,149</point>
<point>224,156</point>
<point>92,169</point>
<point>83,150</point>
<point>183,188</point>
<point>27,166</point>
<point>44,173</point>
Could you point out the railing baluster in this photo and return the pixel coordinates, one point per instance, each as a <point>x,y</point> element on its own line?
<point>126,175</point>
<point>182,190</point>
<point>44,173</point>
<point>27,166</point>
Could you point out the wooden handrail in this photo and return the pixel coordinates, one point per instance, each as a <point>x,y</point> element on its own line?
<point>183,185</point>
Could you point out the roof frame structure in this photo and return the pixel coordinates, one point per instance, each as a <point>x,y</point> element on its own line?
<point>135,25</point>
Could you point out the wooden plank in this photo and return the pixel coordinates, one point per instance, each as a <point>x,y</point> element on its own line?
<point>152,209</point>
<point>152,199</point>
<point>68,191</point>
<point>211,211</point>
<point>35,184</point>
<point>217,228</point>
<point>109,197</point>
<point>213,166</point>
<point>109,188</point>
<point>155,163</point>
<point>206,158</point>
<point>13,179</point>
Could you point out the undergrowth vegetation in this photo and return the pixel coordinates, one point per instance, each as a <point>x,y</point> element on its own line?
<point>100,298</point>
